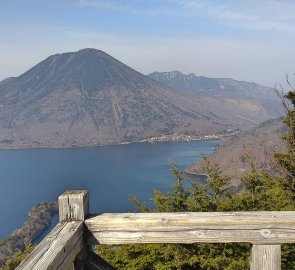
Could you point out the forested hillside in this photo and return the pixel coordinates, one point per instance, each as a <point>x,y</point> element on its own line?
<point>257,191</point>
<point>256,145</point>
<point>39,220</point>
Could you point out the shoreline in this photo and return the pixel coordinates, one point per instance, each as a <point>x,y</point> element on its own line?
<point>155,139</point>
<point>39,219</point>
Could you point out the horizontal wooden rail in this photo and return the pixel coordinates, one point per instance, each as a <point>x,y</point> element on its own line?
<point>58,250</point>
<point>214,227</point>
<point>67,246</point>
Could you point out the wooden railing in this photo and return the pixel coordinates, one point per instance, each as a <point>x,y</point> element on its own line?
<point>68,245</point>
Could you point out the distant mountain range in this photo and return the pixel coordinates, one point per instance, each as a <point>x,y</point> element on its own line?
<point>222,87</point>
<point>89,98</point>
<point>258,145</point>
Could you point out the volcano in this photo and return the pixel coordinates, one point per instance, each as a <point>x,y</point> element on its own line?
<point>88,98</point>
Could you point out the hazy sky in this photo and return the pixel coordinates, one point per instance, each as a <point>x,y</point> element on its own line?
<point>252,40</point>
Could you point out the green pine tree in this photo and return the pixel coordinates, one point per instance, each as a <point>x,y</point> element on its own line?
<point>18,257</point>
<point>287,160</point>
<point>258,191</point>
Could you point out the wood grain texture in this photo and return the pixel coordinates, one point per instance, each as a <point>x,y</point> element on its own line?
<point>80,260</point>
<point>58,250</point>
<point>94,262</point>
<point>214,227</point>
<point>73,205</point>
<point>265,257</point>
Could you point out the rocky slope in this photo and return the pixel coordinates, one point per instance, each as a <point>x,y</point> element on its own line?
<point>89,98</point>
<point>257,144</point>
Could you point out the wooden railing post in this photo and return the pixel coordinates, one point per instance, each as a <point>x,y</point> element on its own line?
<point>266,257</point>
<point>74,205</point>
<point>67,246</point>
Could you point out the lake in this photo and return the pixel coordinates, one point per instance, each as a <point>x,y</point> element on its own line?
<point>109,173</point>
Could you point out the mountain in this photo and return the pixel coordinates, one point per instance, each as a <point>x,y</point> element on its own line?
<point>89,98</point>
<point>6,81</point>
<point>249,93</point>
<point>257,144</point>
<point>223,87</point>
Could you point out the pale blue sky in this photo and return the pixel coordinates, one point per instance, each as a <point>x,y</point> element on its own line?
<point>246,40</point>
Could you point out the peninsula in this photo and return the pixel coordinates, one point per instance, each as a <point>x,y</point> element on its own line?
<point>39,220</point>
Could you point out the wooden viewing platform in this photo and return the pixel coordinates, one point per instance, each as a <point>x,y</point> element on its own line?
<point>67,247</point>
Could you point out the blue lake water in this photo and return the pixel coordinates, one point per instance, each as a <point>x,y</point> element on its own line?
<point>109,173</point>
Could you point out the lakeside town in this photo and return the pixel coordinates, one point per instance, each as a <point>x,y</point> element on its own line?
<point>185,137</point>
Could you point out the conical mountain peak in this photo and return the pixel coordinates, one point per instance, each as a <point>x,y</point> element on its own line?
<point>87,69</point>
<point>90,98</point>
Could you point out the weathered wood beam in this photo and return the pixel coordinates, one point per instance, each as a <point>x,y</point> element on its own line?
<point>58,250</point>
<point>73,205</point>
<point>94,262</point>
<point>80,260</point>
<point>214,227</point>
<point>266,257</point>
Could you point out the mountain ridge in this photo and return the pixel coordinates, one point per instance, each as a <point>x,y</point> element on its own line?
<point>88,98</point>
<point>222,87</point>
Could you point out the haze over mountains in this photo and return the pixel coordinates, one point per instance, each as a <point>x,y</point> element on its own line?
<point>221,87</point>
<point>88,98</point>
